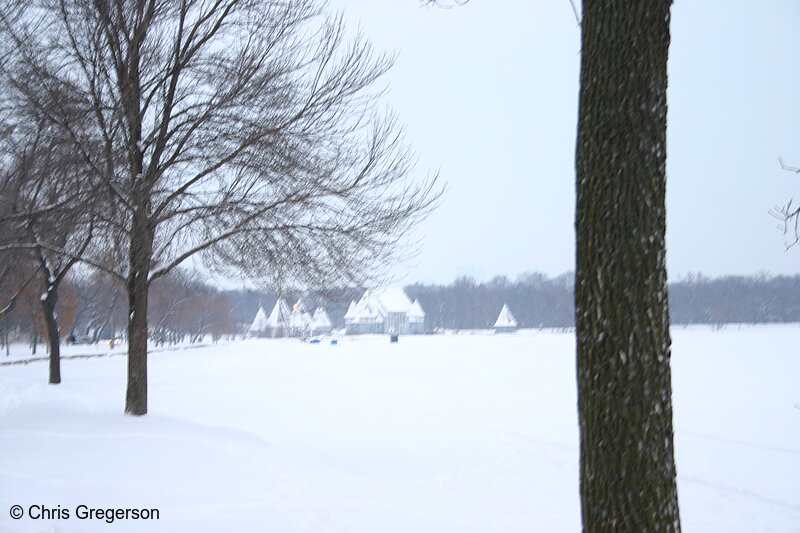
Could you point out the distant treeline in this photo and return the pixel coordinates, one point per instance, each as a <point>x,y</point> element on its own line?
<point>735,299</point>
<point>537,300</point>
<point>534,299</point>
<point>184,307</point>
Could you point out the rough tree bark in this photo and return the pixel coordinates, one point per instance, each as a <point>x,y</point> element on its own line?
<point>623,342</point>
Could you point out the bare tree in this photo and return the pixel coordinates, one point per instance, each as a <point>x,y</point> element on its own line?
<point>53,270</point>
<point>101,305</point>
<point>184,307</point>
<point>44,209</point>
<point>242,130</point>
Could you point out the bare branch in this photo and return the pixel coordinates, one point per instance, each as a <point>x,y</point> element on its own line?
<point>12,296</point>
<point>575,12</point>
<point>788,214</point>
<point>445,5</point>
<point>784,166</point>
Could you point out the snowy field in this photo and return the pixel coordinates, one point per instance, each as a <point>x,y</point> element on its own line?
<point>458,433</point>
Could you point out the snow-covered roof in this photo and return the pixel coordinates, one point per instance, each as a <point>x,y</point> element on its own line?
<point>375,305</point>
<point>416,311</point>
<point>505,319</point>
<point>368,309</point>
<point>279,317</point>
<point>259,322</point>
<point>371,304</point>
<point>351,311</point>
<point>394,300</point>
<point>320,320</point>
<point>297,318</point>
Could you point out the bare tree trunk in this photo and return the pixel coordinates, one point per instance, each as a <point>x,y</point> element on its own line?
<point>136,395</point>
<point>53,337</point>
<point>138,287</point>
<point>34,334</point>
<point>623,342</point>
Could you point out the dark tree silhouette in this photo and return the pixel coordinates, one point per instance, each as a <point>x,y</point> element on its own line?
<point>621,312</point>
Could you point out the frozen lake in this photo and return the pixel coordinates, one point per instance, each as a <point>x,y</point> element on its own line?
<point>461,433</point>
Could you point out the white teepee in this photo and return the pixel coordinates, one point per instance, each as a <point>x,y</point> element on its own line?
<point>277,325</point>
<point>505,321</point>
<point>320,322</point>
<point>259,325</point>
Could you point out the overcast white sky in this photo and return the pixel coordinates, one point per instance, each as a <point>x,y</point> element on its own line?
<point>488,93</point>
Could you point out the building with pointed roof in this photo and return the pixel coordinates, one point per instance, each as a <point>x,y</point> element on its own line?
<point>320,323</point>
<point>506,323</point>
<point>384,311</point>
<point>276,325</point>
<point>285,321</point>
<point>259,325</point>
<point>416,318</point>
<point>352,310</point>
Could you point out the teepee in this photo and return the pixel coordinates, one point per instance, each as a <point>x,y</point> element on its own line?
<point>320,322</point>
<point>506,322</point>
<point>259,326</point>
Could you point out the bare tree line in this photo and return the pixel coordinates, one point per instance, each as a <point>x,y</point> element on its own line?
<point>248,133</point>
<point>92,309</point>
<point>184,308</point>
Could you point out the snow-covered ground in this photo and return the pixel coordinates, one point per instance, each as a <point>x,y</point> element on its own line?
<point>23,353</point>
<point>452,433</point>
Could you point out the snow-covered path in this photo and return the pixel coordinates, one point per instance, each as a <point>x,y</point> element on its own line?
<point>472,433</point>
